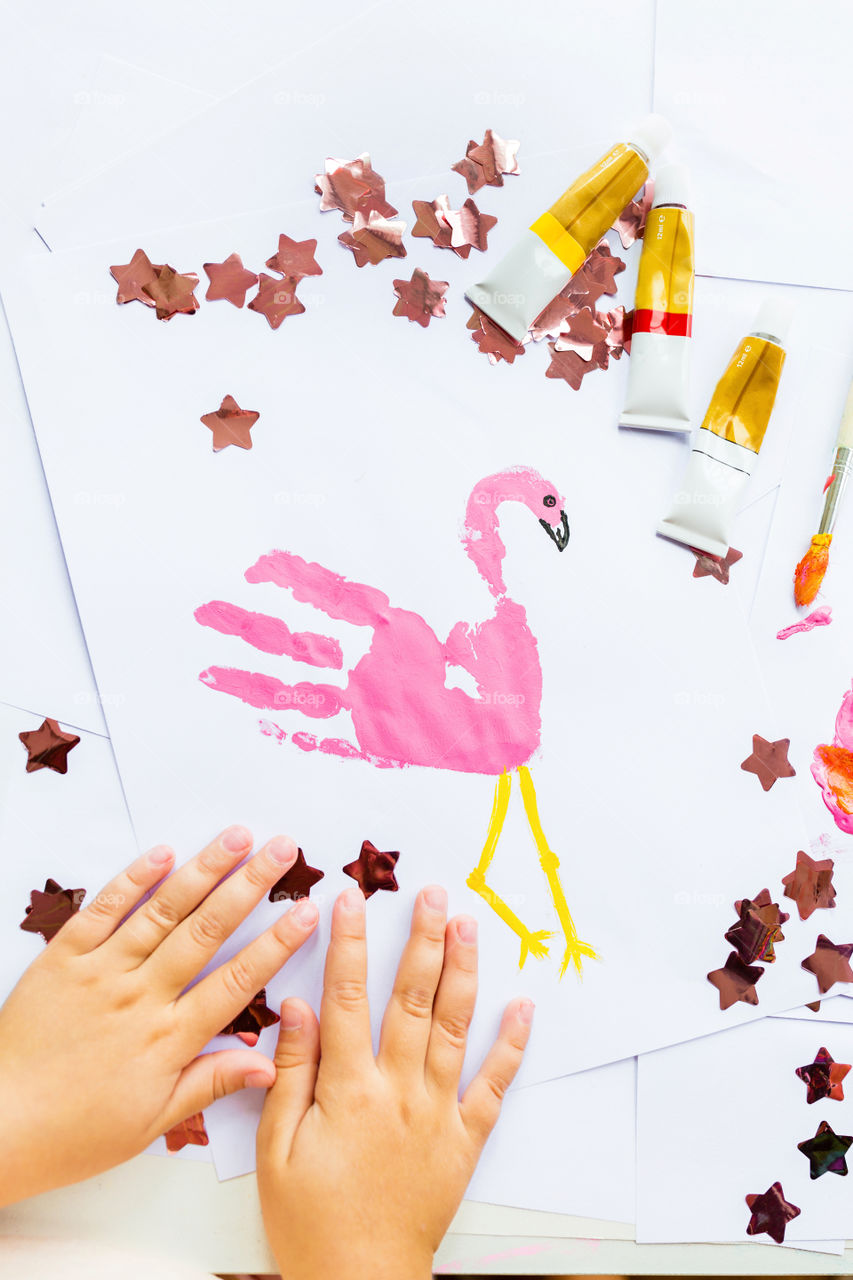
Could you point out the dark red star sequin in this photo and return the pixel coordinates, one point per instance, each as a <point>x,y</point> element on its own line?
<point>771,1213</point>
<point>830,963</point>
<point>823,1077</point>
<point>189,1132</point>
<point>826,1151</point>
<point>50,908</point>
<point>757,929</point>
<point>297,882</point>
<point>252,1020</point>
<point>810,884</point>
<point>373,869</point>
<point>48,747</point>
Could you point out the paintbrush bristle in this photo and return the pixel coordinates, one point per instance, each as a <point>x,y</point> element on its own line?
<point>808,574</point>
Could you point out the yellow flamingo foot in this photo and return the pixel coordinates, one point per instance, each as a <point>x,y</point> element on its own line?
<point>575,953</point>
<point>533,943</point>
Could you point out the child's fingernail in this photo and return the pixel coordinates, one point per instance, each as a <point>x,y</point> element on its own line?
<point>235,839</point>
<point>435,897</point>
<point>525,1011</point>
<point>281,849</point>
<point>305,912</point>
<point>352,900</point>
<point>291,1018</point>
<point>257,1080</point>
<point>467,929</point>
<point>160,855</point>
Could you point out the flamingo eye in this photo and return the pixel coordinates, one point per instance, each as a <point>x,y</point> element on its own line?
<point>549,500</point>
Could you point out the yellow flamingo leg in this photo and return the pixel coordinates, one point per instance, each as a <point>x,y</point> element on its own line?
<point>550,863</point>
<point>530,942</point>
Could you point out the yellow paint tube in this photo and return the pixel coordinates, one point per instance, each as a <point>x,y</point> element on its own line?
<point>658,374</point>
<point>726,445</point>
<point>546,257</point>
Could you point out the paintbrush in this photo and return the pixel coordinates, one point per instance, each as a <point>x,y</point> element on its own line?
<point>809,573</point>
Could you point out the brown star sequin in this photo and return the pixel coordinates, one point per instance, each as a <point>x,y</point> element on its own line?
<point>492,340</point>
<point>48,747</point>
<point>373,869</point>
<point>757,929</point>
<point>295,258</point>
<point>718,567</point>
<point>810,884</point>
<point>50,908</point>
<point>297,882</point>
<point>771,1213</point>
<point>276,299</point>
<point>829,962</point>
<point>736,981</point>
<point>486,162</point>
<point>189,1132</point>
<point>823,1077</point>
<point>769,760</point>
<point>230,425</point>
<point>172,293</point>
<point>420,299</point>
<point>374,238</point>
<point>230,281</point>
<point>133,276</point>
<point>252,1020</point>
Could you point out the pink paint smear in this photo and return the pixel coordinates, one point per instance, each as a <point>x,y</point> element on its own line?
<point>402,711</point>
<point>832,767</point>
<point>820,618</point>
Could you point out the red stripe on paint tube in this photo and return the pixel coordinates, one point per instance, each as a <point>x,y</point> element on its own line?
<point>676,324</point>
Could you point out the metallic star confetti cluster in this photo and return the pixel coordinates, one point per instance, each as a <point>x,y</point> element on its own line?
<point>420,299</point>
<point>458,229</point>
<point>486,162</point>
<point>492,340</point>
<point>50,908</point>
<point>351,187</point>
<point>753,935</point>
<point>823,1077</point>
<point>155,285</point>
<point>373,869</point>
<point>48,747</point>
<point>374,238</point>
<point>769,761</point>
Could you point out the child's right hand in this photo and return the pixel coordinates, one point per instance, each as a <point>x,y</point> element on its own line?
<point>363,1160</point>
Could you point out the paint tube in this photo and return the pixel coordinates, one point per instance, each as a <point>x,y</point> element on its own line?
<point>726,445</point>
<point>554,247</point>
<point>657,397</point>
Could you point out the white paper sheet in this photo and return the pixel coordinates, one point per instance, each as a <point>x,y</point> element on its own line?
<point>720,1118</point>
<point>760,98</point>
<point>834,1009</point>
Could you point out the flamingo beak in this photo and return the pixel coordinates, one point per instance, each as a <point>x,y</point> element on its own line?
<point>560,535</point>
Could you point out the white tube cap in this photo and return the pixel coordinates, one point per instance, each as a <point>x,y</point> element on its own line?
<point>672,185</point>
<point>651,135</point>
<point>774,318</point>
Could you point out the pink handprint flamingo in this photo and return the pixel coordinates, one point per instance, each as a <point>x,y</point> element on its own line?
<point>402,711</point>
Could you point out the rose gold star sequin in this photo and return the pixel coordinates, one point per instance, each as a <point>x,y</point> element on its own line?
<point>485,163</point>
<point>48,747</point>
<point>456,229</point>
<point>718,567</point>
<point>276,299</point>
<point>736,981</point>
<point>583,334</point>
<point>374,238</point>
<point>469,228</point>
<point>631,223</point>
<point>420,299</point>
<point>596,276</point>
<point>829,962</point>
<point>189,1132</point>
<point>492,340</point>
<point>295,258</point>
<point>229,280</point>
<point>230,425</point>
<point>619,324</point>
<point>172,293</point>
<point>810,884</point>
<point>133,276</point>
<point>352,186</point>
<point>569,366</point>
<point>769,761</point>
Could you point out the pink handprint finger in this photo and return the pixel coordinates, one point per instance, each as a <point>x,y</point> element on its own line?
<point>320,701</point>
<point>271,635</point>
<point>313,584</point>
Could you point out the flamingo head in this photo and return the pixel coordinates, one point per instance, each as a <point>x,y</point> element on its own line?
<point>517,484</point>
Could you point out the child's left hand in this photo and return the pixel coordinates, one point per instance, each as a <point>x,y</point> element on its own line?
<point>100,1040</point>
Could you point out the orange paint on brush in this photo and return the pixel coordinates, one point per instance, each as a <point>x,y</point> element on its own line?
<point>838,763</point>
<point>809,573</point>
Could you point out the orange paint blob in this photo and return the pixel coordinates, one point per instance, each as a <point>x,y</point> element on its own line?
<point>838,762</point>
<point>809,573</point>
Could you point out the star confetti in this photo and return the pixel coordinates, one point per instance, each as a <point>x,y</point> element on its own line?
<point>718,567</point>
<point>172,293</point>
<point>830,963</point>
<point>492,340</point>
<point>771,1213</point>
<point>190,1132</point>
<point>229,280</point>
<point>48,747</point>
<point>769,761</point>
<point>276,299</point>
<point>50,908</point>
<point>420,299</point>
<point>133,276</point>
<point>736,981</point>
<point>252,1019</point>
<point>297,882</point>
<point>374,238</point>
<point>352,186</point>
<point>583,334</point>
<point>373,870</point>
<point>431,222</point>
<point>823,1077</point>
<point>596,276</point>
<point>230,425</point>
<point>619,324</point>
<point>631,223</point>
<point>810,884</point>
<point>569,366</point>
<point>826,1151</point>
<point>814,1005</point>
<point>295,258</point>
<point>758,928</point>
<point>486,162</point>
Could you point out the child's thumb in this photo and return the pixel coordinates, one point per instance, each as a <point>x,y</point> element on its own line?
<point>213,1075</point>
<point>297,1058</point>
